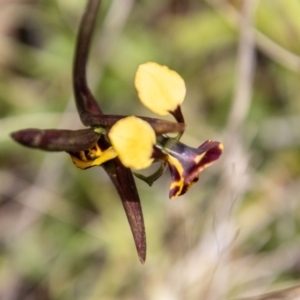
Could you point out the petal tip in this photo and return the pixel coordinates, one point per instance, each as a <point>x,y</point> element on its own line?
<point>26,137</point>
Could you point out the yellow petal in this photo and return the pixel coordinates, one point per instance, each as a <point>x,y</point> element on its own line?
<point>160,89</point>
<point>133,140</point>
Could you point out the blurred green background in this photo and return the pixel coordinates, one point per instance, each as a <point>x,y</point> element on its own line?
<point>63,231</point>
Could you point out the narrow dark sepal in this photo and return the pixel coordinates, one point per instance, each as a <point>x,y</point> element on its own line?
<point>85,101</point>
<point>159,126</point>
<point>163,126</point>
<point>123,180</point>
<point>91,115</point>
<point>56,140</point>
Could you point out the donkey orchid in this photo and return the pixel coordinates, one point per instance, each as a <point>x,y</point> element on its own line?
<point>120,143</point>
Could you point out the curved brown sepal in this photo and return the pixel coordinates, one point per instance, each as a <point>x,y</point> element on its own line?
<point>85,101</point>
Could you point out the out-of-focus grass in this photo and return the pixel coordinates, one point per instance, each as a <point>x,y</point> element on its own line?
<point>63,231</point>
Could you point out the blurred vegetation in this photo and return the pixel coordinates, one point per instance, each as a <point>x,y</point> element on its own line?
<point>63,232</point>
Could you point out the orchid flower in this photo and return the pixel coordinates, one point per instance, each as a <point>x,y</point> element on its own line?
<point>120,143</point>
